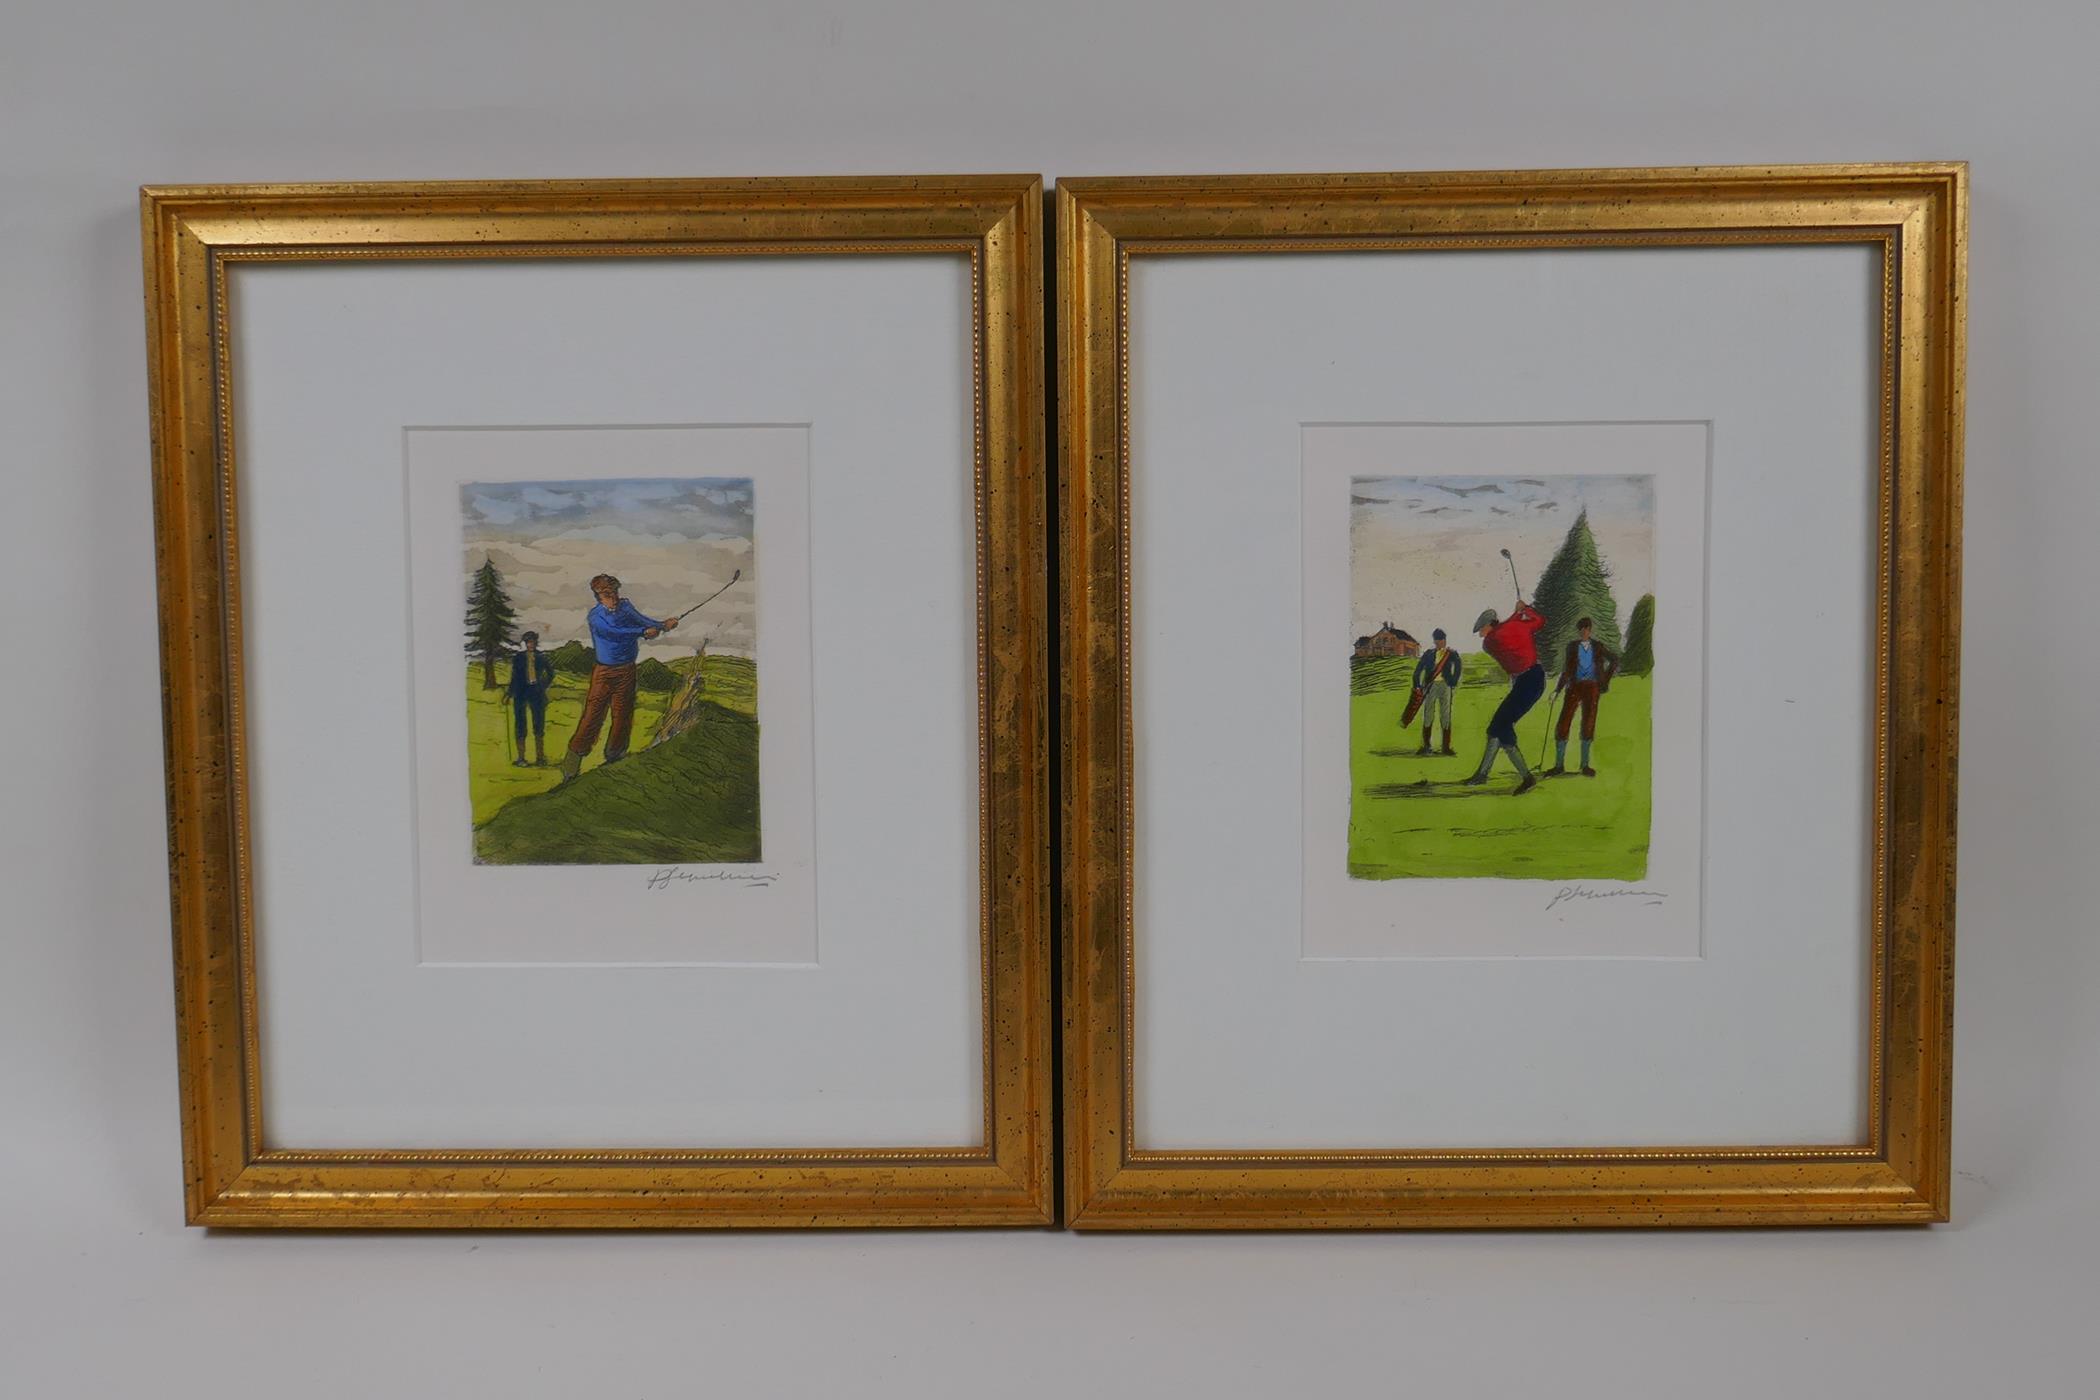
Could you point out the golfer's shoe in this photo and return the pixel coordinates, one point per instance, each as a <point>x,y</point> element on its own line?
<point>519,763</point>
<point>1526,784</point>
<point>1477,780</point>
<point>1557,771</point>
<point>1589,772</point>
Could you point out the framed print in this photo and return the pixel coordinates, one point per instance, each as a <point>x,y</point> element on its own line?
<point>1508,696</point>
<point>605,636</point>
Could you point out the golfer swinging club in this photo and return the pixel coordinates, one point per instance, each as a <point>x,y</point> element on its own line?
<point>617,632</point>
<point>1514,644</point>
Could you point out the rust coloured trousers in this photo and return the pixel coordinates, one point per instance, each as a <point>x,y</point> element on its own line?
<point>611,693</point>
<point>1584,694</point>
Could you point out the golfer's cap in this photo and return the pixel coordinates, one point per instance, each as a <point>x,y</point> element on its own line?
<point>1486,619</point>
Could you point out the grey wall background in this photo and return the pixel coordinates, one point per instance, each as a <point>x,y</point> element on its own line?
<point>103,1292</point>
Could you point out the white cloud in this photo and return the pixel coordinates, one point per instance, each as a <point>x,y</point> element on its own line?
<point>671,543</point>
<point>620,534</point>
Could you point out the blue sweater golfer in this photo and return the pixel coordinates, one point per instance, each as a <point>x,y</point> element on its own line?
<point>618,629</point>
<point>617,632</point>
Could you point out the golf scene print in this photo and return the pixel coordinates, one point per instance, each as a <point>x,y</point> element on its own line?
<point>610,697</point>
<point>610,672</point>
<point>1500,701</point>
<point>1504,689</point>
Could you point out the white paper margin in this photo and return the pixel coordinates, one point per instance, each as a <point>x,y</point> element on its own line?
<point>613,915</point>
<point>1659,916</point>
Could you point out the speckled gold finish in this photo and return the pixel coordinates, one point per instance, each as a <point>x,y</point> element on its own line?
<point>192,236</point>
<point>1915,215</point>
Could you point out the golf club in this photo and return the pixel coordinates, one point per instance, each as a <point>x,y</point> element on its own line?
<point>710,597</point>
<point>1513,575</point>
<point>1547,737</point>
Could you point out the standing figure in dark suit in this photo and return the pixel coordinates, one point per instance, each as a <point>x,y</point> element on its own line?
<point>1436,680</point>
<point>531,673</point>
<point>1585,673</point>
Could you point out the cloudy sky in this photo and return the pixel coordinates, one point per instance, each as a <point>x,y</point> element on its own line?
<point>1424,550</point>
<point>670,542</point>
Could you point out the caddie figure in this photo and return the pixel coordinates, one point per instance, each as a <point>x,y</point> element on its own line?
<point>531,673</point>
<point>1585,673</point>
<point>1436,681</point>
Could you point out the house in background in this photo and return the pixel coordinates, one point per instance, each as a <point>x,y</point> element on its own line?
<point>1388,641</point>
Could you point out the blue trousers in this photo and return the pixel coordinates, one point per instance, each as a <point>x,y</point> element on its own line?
<point>536,706</point>
<point>1525,688</point>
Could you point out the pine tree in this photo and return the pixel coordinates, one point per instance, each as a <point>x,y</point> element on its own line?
<point>1639,657</point>
<point>1577,584</point>
<point>491,620</point>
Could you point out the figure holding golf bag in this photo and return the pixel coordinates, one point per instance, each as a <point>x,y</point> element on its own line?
<point>1436,680</point>
<point>1513,642</point>
<point>531,673</point>
<point>617,632</point>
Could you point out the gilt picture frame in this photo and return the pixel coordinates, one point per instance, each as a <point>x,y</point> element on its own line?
<point>521,520</point>
<point>1408,341</point>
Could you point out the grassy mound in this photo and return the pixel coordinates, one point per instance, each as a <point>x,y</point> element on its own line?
<point>731,680</point>
<point>693,800</point>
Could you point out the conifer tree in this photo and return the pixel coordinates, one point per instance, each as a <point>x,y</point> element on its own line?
<point>1639,657</point>
<point>491,621</point>
<point>1577,584</point>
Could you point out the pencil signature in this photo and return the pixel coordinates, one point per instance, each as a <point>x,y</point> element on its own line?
<point>670,876</point>
<point>1648,898</point>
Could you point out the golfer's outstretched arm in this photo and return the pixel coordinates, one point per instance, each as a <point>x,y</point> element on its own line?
<point>627,622</point>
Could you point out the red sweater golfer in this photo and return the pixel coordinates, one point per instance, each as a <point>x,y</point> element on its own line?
<point>1514,644</point>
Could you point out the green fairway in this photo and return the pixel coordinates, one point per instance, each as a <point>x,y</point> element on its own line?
<point>732,681</point>
<point>490,776</point>
<point>1411,816</point>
